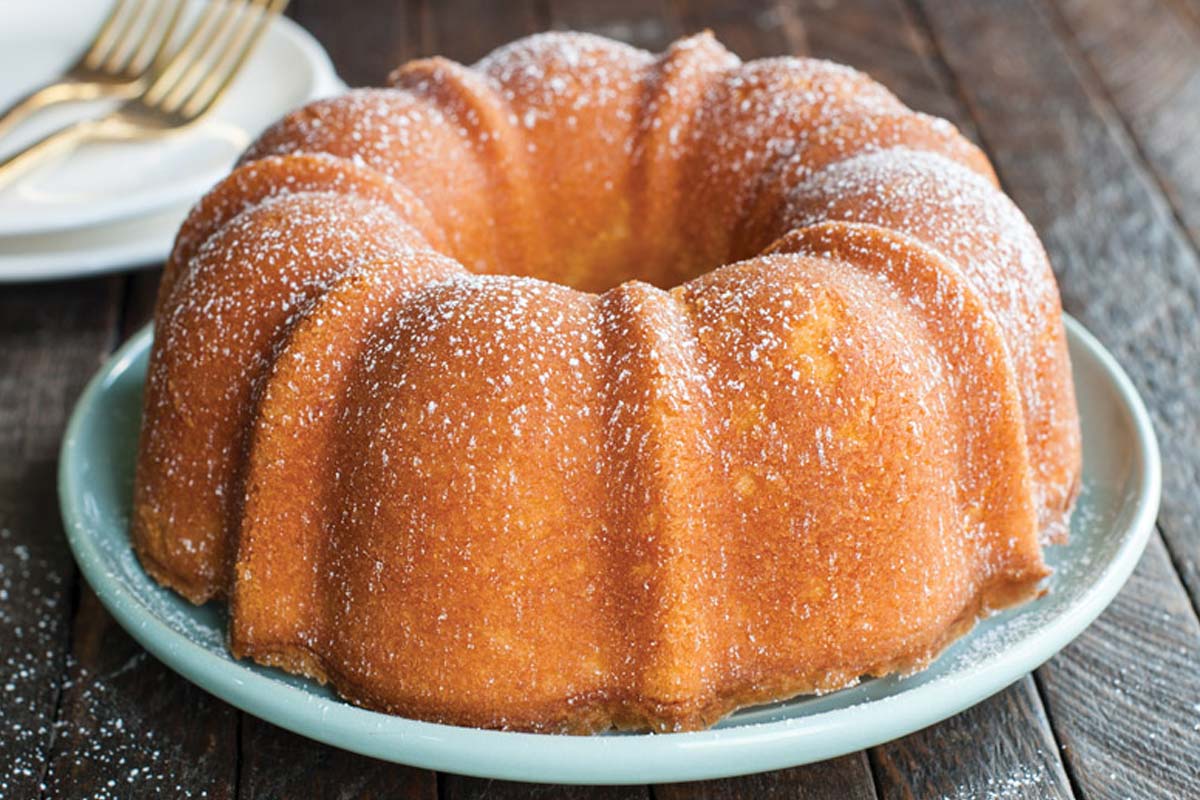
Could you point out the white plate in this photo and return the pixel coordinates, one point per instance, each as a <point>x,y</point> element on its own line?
<point>95,250</point>
<point>104,182</point>
<point>1112,521</point>
<point>140,242</point>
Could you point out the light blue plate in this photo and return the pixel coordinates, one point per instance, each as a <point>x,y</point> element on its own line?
<point>1112,522</point>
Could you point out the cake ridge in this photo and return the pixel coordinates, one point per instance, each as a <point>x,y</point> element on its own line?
<point>198,337</point>
<point>673,89</point>
<point>1002,258</point>
<point>253,182</point>
<point>661,415</point>
<point>488,128</point>
<point>294,414</point>
<point>448,400</point>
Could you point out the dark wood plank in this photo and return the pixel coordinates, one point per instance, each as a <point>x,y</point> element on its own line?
<point>1146,54</point>
<point>126,724</point>
<point>1125,698</point>
<point>754,29</point>
<point>650,25</point>
<point>316,770</point>
<point>882,39</point>
<point>52,337</point>
<point>960,757</point>
<point>466,31</point>
<point>130,727</point>
<point>1190,7</point>
<point>836,779</point>
<point>456,787</point>
<point>141,291</point>
<point>366,40</point>
<point>1127,270</point>
<point>879,38</point>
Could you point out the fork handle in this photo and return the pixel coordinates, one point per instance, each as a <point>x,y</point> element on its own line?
<point>58,92</point>
<point>60,142</point>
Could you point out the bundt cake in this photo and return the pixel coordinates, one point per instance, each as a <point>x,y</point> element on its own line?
<point>452,398</point>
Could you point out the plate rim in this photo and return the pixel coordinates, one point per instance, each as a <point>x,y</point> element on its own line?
<point>155,236</point>
<point>150,242</point>
<point>189,190</point>
<point>631,759</point>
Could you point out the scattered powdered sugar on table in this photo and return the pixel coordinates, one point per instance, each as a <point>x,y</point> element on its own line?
<point>1020,780</point>
<point>112,739</point>
<point>29,581</point>
<point>94,720</point>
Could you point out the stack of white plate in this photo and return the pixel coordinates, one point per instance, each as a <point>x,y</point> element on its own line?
<point>113,206</point>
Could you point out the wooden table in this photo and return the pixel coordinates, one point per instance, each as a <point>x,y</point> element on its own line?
<point>1090,110</point>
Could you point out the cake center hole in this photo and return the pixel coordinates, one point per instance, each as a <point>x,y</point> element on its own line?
<point>596,252</point>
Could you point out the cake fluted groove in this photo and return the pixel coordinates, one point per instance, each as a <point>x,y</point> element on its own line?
<point>673,90</point>
<point>962,216</point>
<point>256,181</point>
<point>292,476</point>
<point>586,388</point>
<point>216,330</point>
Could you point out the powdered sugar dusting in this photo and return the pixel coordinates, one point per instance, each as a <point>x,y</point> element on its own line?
<point>959,214</point>
<point>640,508</point>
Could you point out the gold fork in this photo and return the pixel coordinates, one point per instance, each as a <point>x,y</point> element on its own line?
<point>177,96</point>
<point>129,45</point>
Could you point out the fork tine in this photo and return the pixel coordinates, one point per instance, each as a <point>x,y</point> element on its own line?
<point>127,43</point>
<point>231,23</point>
<point>105,36</point>
<point>159,59</point>
<point>230,63</point>
<point>155,37</point>
<point>179,62</point>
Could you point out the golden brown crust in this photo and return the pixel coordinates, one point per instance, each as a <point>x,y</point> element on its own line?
<point>581,715</point>
<point>463,494</point>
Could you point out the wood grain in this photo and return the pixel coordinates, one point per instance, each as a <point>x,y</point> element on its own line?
<point>137,303</point>
<point>835,779</point>
<point>1127,270</point>
<point>963,758</point>
<point>278,763</point>
<point>130,727</point>
<point>1145,58</point>
<point>883,40</point>
<point>650,25</point>
<point>456,787</point>
<point>1124,698</point>
<point>126,724</point>
<point>1146,55</point>
<point>365,40</point>
<point>754,29</point>
<point>51,339</point>
<point>466,31</point>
